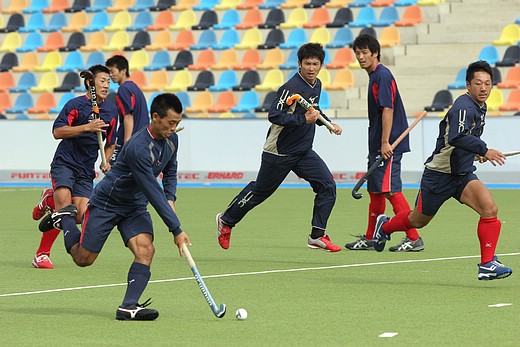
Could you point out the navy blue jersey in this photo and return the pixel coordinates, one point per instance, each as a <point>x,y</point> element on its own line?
<point>132,181</point>
<point>289,134</point>
<point>383,92</point>
<point>81,152</point>
<point>130,100</point>
<point>459,138</point>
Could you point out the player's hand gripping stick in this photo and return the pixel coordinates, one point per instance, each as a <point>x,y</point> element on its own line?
<point>306,105</point>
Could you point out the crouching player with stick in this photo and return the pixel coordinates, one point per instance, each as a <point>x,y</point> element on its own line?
<point>449,172</point>
<point>121,198</point>
<point>288,147</point>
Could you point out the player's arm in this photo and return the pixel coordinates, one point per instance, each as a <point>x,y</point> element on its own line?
<point>70,131</point>
<point>128,123</point>
<point>459,135</point>
<point>387,120</point>
<point>278,113</point>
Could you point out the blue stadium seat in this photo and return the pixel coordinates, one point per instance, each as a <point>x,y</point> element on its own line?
<point>141,22</point>
<point>270,4</point>
<point>99,5</point>
<point>36,6</point>
<point>207,39</point>
<point>98,22</point>
<point>184,97</point>
<point>405,2</point>
<point>227,80</point>
<point>460,80</point>
<point>229,39</point>
<point>160,61</point>
<point>365,18</point>
<point>57,21</point>
<point>141,5</point>
<point>360,3</point>
<point>230,19</point>
<point>205,5</point>
<point>73,62</point>
<point>249,101</point>
<point>95,58</point>
<point>23,102</point>
<point>25,83</point>
<point>489,54</point>
<point>388,16</point>
<point>324,100</point>
<point>343,38</point>
<point>291,62</point>
<point>36,23</point>
<point>297,37</point>
<point>32,43</point>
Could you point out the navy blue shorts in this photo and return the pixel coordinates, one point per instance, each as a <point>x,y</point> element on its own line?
<point>98,224</point>
<point>387,177</point>
<point>437,187</point>
<point>65,176</point>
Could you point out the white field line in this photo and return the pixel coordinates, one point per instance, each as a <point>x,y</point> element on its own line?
<point>258,273</point>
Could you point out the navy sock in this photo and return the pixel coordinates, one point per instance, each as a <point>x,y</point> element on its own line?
<point>138,277</point>
<point>71,233</point>
<point>317,233</point>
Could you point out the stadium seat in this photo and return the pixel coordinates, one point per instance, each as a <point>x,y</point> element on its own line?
<point>207,20</point>
<point>338,4</point>
<point>32,42</point>
<point>182,5</point>
<point>73,62</point>
<point>57,6</point>
<point>252,19</point>
<point>183,41</point>
<point>51,61</point>
<point>324,77</point>
<point>368,31</point>
<point>511,57</point>
<point>226,114</point>
<point>442,99</point>
<point>96,42</point>
<point>118,42</point>
<point>7,81</point>
<point>512,79</point>
<point>182,60</point>
<point>388,16</point>
<point>297,37</point>
<point>76,40</point>
<point>274,38</point>
<point>291,62</point>
<point>186,20</point>
<point>205,5</point>
<point>229,39</point>
<point>29,61</point>
<point>54,42</point>
<point>343,38</point>
<point>227,60</point>
<point>14,23</point>
<point>139,78</point>
<point>272,81</point>
<point>138,60</point>
<point>297,18</point>
<point>120,5</point>
<point>460,80</point>
<point>12,41</point>
<point>99,22</point>
<point>204,61</point>
<point>227,5</point>
<point>343,79</point>
<point>266,104</point>
<point>77,6</point>
<point>23,102</point>
<point>36,23</point>
<point>163,21</point>
<point>229,20</point>
<point>161,60</point>
<point>158,81</point>
<point>48,81</point>
<point>142,21</point>
<point>95,58</point>
<point>495,100</point>
<point>5,102</point>
<point>44,104</point>
<point>342,59</point>
<point>204,80</point>
<point>248,102</point>
<point>121,21</point>
<point>289,4</point>
<point>181,80</point>
<point>141,6</point>
<point>162,40</point>
<point>274,18</point>
<point>513,102</point>
<point>99,6</point>
<point>270,4</point>
<point>227,80</point>
<point>201,103</point>
<point>225,101</point>
<point>273,59</point>
<point>497,76</point>
<point>140,41</point>
<point>207,40</point>
<point>183,97</point>
<point>390,36</point>
<point>324,100</point>
<point>249,115</point>
<point>25,83</point>
<point>405,2</point>
<point>249,80</point>
<point>320,35</point>
<point>489,54</point>
<point>365,18</point>
<point>77,22</point>
<point>249,4</point>
<point>251,39</point>
<point>360,3</point>
<point>70,82</point>
<point>61,103</point>
<point>250,60</point>
<point>382,3</point>
<point>429,2</point>
<point>9,60</point>
<point>315,3</point>
<point>57,21</point>
<point>412,15</point>
<point>16,6</point>
<point>319,17</point>
<point>162,5</point>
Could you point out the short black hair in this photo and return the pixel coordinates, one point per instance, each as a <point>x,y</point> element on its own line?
<point>120,62</point>
<point>476,66</point>
<point>311,50</point>
<point>164,102</point>
<point>95,69</point>
<point>368,41</point>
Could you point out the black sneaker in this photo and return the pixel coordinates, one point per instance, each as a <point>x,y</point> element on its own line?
<point>46,223</point>
<point>361,244</point>
<point>408,245</point>
<point>69,210</point>
<point>137,312</point>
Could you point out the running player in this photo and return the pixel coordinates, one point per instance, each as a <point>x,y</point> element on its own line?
<point>288,147</point>
<point>449,172</point>
<point>387,120</point>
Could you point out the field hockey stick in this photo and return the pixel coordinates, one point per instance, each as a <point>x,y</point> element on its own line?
<point>218,312</point>
<point>306,105</point>
<point>179,129</point>
<point>355,191</point>
<point>506,154</point>
<point>89,79</point>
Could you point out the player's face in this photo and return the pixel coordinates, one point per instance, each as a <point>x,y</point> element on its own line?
<point>309,69</point>
<point>480,87</point>
<point>102,82</point>
<point>367,60</point>
<point>116,74</point>
<point>162,128</point>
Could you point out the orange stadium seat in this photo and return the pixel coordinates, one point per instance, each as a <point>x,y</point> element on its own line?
<point>319,18</point>
<point>512,79</point>
<point>205,60</point>
<point>158,81</point>
<point>163,21</point>
<point>343,79</point>
<point>182,5</point>
<point>201,103</point>
<point>5,101</point>
<point>338,3</point>
<point>273,59</point>
<point>120,5</point>
<point>57,6</point>
<point>225,101</point>
<point>6,81</point>
<point>54,42</point>
<point>96,42</point>
<point>161,41</point>
<point>382,3</point>
<point>249,4</point>
<point>252,19</point>
<point>183,41</point>
<point>250,60</point>
<point>390,37</point>
<point>513,102</point>
<point>77,22</point>
<point>412,15</point>
<point>29,61</point>
<point>16,6</point>
<point>139,78</point>
<point>227,60</point>
<point>343,58</point>
<point>45,102</point>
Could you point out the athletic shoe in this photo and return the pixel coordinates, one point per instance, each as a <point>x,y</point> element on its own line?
<point>42,207</point>
<point>46,223</point>
<point>42,261</point>
<point>408,245</point>
<point>223,233</point>
<point>137,312</point>
<point>323,243</point>
<point>69,210</point>
<point>493,270</point>
<point>361,244</point>
<point>380,237</point>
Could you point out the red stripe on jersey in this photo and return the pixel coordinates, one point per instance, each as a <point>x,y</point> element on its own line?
<point>375,92</point>
<point>72,116</point>
<point>394,92</point>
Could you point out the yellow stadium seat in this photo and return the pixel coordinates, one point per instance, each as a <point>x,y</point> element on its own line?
<point>201,103</point>
<point>51,61</point>
<point>297,18</point>
<point>138,60</point>
<point>227,60</point>
<point>77,22</point>
<point>11,42</point>
<point>429,2</point>
<point>47,83</point>
<point>181,81</point>
<point>324,77</point>
<point>251,39</point>
<point>158,81</point>
<point>121,21</point>
<point>390,37</point>
<point>273,59</point>
<point>320,35</point>
<point>29,61</point>
<point>338,3</point>
<point>120,5</point>
<point>495,100</point>
<point>272,81</point>
<point>293,4</point>
<point>96,42</point>
<point>161,41</point>
<point>510,36</point>
<point>227,5</point>
<point>182,5</point>
<point>16,6</point>
<point>118,41</point>
<point>186,20</point>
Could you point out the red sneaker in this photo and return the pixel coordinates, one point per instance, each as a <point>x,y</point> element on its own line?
<point>323,243</point>
<point>43,206</point>
<point>223,233</point>
<point>42,261</point>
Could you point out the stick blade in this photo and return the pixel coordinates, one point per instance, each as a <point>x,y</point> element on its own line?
<point>222,311</point>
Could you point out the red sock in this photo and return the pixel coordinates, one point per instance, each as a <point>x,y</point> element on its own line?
<point>375,208</point>
<point>47,241</point>
<point>488,230</point>
<point>399,222</point>
<point>399,204</point>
